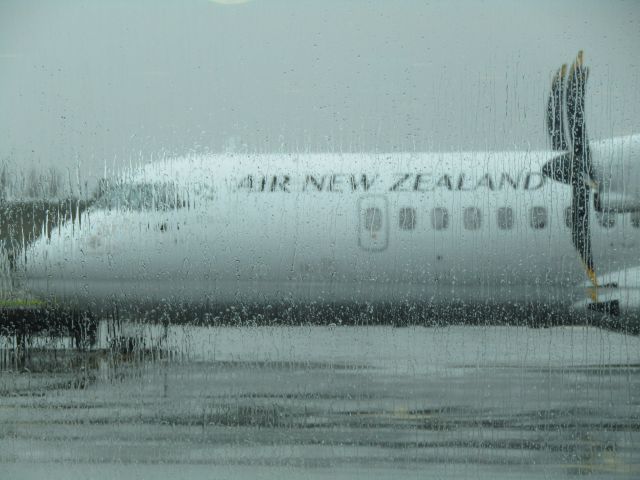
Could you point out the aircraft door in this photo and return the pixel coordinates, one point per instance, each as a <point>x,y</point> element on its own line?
<point>373,223</point>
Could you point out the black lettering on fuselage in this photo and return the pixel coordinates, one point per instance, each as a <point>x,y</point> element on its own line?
<point>280,183</point>
<point>336,182</point>
<point>461,183</point>
<point>364,182</point>
<point>420,184</point>
<point>398,185</point>
<point>311,180</point>
<point>402,182</point>
<point>245,184</point>
<point>444,181</point>
<point>533,181</point>
<point>506,178</point>
<point>273,183</point>
<point>485,181</point>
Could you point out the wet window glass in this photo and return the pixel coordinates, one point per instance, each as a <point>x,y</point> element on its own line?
<point>407,218</point>
<point>567,217</point>
<point>440,218</point>
<point>283,239</point>
<point>505,218</point>
<point>373,219</point>
<point>538,218</point>
<point>606,219</point>
<point>472,218</point>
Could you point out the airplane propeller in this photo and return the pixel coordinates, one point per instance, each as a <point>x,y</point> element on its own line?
<point>555,117</point>
<point>574,167</point>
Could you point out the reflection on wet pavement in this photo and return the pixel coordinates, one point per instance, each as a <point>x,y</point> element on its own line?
<point>456,402</point>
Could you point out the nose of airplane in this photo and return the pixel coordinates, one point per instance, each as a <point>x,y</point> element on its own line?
<point>52,266</point>
<point>88,261</point>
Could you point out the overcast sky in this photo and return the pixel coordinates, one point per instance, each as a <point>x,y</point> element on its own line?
<point>95,82</point>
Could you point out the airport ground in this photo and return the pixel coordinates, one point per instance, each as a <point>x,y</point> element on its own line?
<point>326,402</point>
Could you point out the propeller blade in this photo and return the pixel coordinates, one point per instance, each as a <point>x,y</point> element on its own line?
<point>576,83</point>
<point>559,168</point>
<point>555,116</point>
<point>581,230</point>
<point>573,167</point>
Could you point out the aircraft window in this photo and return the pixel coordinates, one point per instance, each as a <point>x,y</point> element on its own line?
<point>567,217</point>
<point>407,218</point>
<point>505,218</point>
<point>372,219</point>
<point>472,218</point>
<point>606,219</point>
<point>440,218</point>
<point>538,217</point>
<point>635,219</point>
<point>140,196</point>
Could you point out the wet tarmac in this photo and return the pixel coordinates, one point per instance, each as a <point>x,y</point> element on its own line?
<point>328,402</point>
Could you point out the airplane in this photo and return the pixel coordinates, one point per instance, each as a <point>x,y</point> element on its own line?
<point>475,235</point>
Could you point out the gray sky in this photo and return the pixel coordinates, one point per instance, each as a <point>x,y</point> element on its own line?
<point>95,82</point>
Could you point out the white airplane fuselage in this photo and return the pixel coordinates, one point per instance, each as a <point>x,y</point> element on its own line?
<point>478,227</point>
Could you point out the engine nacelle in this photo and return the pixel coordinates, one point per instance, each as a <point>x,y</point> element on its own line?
<point>618,300</point>
<point>616,164</point>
